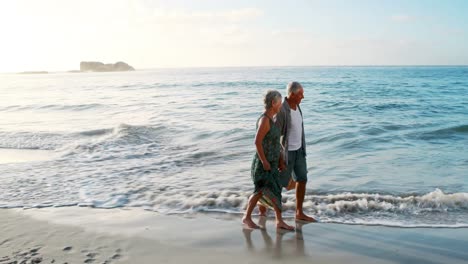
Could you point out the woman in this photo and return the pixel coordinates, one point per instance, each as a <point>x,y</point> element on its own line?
<point>266,162</point>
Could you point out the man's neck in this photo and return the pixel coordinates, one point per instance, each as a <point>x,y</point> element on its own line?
<point>292,105</point>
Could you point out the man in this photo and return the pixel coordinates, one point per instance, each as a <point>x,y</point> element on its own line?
<point>291,124</point>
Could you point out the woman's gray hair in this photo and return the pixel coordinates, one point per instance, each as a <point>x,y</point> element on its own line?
<point>293,87</point>
<point>271,95</point>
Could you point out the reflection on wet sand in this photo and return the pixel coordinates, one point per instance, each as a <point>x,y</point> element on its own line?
<point>286,243</point>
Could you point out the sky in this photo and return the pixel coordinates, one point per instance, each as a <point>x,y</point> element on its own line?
<point>55,35</point>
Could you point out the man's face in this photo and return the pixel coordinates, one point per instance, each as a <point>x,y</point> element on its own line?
<point>298,96</point>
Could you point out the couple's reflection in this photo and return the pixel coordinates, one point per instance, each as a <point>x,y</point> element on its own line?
<point>285,243</point>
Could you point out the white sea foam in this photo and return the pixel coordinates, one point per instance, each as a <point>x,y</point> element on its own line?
<point>435,209</point>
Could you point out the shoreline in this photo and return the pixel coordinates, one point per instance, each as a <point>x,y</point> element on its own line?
<point>87,235</point>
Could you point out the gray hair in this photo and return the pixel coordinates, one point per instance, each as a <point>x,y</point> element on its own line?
<point>271,95</point>
<point>293,87</point>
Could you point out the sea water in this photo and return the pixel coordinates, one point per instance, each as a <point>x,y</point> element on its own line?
<point>385,145</point>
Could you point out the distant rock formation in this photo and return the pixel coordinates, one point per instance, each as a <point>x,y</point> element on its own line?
<point>95,66</point>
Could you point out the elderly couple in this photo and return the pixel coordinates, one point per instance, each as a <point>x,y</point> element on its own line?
<point>280,157</point>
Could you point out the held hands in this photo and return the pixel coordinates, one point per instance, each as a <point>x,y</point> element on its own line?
<point>282,166</point>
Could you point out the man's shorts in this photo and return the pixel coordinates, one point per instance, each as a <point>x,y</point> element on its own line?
<point>297,166</point>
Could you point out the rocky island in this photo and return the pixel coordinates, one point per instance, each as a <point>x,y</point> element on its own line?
<point>95,66</point>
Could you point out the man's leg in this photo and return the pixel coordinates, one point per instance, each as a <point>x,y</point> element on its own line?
<point>300,176</point>
<point>300,194</point>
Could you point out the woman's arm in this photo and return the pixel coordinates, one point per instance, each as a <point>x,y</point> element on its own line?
<point>263,128</point>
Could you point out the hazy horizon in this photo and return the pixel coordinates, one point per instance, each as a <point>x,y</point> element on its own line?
<point>56,35</point>
<point>253,66</point>
<point>234,66</point>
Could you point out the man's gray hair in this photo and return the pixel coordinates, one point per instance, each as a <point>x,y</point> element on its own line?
<point>271,95</point>
<point>293,87</point>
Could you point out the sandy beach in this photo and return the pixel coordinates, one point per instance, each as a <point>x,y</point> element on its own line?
<point>84,235</point>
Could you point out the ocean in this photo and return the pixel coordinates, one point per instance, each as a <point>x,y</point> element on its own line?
<point>386,145</point>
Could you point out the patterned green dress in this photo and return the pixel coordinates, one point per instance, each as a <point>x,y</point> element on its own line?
<point>267,182</point>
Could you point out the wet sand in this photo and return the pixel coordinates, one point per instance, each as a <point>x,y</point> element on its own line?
<point>85,235</point>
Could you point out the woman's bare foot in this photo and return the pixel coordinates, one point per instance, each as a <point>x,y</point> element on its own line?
<point>262,209</point>
<point>303,217</point>
<point>283,225</point>
<point>249,223</point>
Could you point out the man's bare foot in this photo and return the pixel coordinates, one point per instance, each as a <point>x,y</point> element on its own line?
<point>249,223</point>
<point>262,209</point>
<point>303,217</point>
<point>283,225</point>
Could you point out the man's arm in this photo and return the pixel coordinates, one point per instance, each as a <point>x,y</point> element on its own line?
<point>280,120</point>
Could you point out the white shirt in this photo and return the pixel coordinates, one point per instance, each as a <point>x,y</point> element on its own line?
<point>295,134</point>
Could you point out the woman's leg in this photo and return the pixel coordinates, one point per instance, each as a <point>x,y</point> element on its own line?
<point>247,219</point>
<point>279,220</point>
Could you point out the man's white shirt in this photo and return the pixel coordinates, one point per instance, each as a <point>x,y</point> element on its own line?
<point>295,134</point>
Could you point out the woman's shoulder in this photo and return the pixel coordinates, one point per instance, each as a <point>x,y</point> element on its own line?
<point>264,120</point>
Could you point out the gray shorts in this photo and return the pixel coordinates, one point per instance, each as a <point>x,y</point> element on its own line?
<point>297,167</point>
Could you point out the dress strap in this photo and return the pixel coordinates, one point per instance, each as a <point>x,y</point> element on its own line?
<point>268,117</point>
<point>263,114</point>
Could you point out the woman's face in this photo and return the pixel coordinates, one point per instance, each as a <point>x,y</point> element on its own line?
<point>276,105</point>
